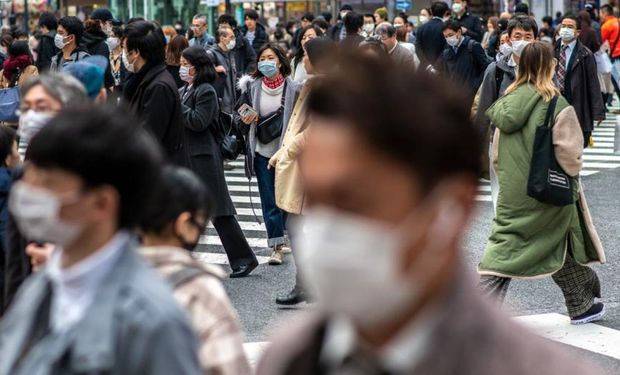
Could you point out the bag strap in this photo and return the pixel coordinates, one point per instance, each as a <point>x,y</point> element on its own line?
<point>550,111</point>
<point>184,275</point>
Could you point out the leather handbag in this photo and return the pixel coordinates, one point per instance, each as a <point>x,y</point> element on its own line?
<point>270,126</point>
<point>547,182</point>
<point>231,144</point>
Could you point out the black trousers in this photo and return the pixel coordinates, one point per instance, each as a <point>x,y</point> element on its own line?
<point>236,246</point>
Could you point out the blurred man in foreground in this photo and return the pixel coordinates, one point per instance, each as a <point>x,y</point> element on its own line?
<point>390,190</point>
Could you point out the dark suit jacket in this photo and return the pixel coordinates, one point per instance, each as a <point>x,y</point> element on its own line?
<point>473,25</point>
<point>201,114</point>
<point>472,338</point>
<point>429,42</point>
<point>465,66</point>
<point>157,104</point>
<point>582,88</point>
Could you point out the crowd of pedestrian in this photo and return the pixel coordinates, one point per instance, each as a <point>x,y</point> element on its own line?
<point>115,141</point>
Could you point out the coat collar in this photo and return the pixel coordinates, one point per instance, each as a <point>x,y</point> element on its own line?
<point>151,75</point>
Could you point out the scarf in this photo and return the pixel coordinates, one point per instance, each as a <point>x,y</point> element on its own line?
<point>13,65</point>
<point>274,83</point>
<point>135,79</point>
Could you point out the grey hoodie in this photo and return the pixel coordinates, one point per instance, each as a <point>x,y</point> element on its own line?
<point>489,92</point>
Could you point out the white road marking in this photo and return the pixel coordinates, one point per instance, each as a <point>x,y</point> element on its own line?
<point>591,337</point>
<point>218,258</point>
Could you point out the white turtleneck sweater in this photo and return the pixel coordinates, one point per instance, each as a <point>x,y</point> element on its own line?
<point>270,101</point>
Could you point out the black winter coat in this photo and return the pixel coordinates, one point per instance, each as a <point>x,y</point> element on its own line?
<point>260,36</point>
<point>429,42</point>
<point>473,26</point>
<point>95,44</point>
<point>157,104</point>
<point>467,65</point>
<point>582,88</point>
<point>244,54</point>
<point>201,113</point>
<point>45,51</point>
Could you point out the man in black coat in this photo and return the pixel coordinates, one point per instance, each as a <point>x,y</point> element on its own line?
<point>577,77</point>
<point>244,54</point>
<point>46,49</point>
<point>150,91</point>
<point>463,60</point>
<point>470,24</point>
<point>430,41</point>
<point>253,31</point>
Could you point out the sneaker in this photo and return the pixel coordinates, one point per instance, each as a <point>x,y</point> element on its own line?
<point>595,313</point>
<point>286,249</point>
<point>276,257</point>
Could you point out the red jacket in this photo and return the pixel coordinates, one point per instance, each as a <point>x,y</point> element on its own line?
<point>610,32</point>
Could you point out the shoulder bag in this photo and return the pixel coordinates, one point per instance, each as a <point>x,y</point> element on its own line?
<point>9,100</point>
<point>547,182</point>
<point>270,126</point>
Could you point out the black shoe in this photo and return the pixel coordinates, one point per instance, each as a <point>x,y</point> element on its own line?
<point>294,297</point>
<point>595,313</point>
<point>243,271</point>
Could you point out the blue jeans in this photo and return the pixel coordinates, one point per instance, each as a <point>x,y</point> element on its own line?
<point>273,216</point>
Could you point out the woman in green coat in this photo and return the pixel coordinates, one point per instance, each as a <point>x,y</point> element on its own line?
<point>531,239</point>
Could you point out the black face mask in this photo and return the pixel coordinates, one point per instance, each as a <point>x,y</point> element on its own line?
<point>191,245</point>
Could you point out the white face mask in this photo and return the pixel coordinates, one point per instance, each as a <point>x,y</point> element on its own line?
<point>113,43</point>
<point>505,49</point>
<point>518,46</point>
<point>452,41</point>
<point>352,264</point>
<point>59,41</point>
<point>368,28</point>
<point>129,66</point>
<point>36,213</point>
<point>31,122</point>
<point>423,20</point>
<point>457,7</point>
<point>184,74</point>
<point>231,45</point>
<point>566,34</point>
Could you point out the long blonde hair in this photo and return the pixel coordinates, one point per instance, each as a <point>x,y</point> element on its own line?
<point>537,68</point>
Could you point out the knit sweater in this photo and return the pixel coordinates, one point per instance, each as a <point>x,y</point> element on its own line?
<point>270,101</point>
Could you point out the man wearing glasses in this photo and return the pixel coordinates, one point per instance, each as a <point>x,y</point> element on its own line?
<point>201,36</point>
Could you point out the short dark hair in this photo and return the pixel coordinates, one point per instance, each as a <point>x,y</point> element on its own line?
<point>321,23</point>
<point>434,140</point>
<point>522,22</point>
<point>607,8</point>
<point>48,19</point>
<point>228,20</point>
<point>73,26</point>
<point>198,57</point>
<point>251,14</point>
<point>522,8</point>
<point>19,48</point>
<point>569,16</point>
<point>178,190</point>
<point>7,139</point>
<point>439,8</point>
<point>451,25</point>
<point>102,146</point>
<point>285,65</point>
<point>353,21</point>
<point>308,16</point>
<point>147,38</point>
<point>548,19</point>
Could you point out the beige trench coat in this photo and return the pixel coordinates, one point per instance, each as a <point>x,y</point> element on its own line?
<point>289,190</point>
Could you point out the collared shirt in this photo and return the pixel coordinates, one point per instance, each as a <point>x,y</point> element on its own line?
<point>75,287</point>
<point>400,355</point>
<point>456,49</point>
<point>569,51</point>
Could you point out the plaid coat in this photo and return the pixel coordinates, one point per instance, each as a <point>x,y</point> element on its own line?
<point>213,318</point>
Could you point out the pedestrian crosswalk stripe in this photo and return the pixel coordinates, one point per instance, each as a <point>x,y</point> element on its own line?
<point>591,337</point>
<point>255,243</point>
<point>222,259</point>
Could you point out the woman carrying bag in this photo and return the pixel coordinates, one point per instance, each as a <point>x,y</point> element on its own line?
<point>267,99</point>
<point>201,113</point>
<point>532,239</point>
<point>16,70</point>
